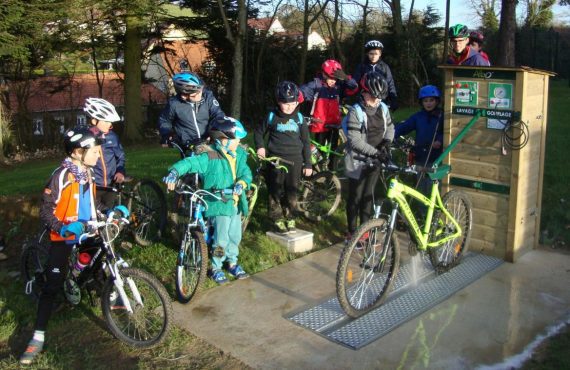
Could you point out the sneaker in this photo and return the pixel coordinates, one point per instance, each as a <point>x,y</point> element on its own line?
<point>280,225</point>
<point>347,238</point>
<point>237,272</point>
<point>34,348</point>
<point>362,241</point>
<point>219,277</point>
<point>291,226</point>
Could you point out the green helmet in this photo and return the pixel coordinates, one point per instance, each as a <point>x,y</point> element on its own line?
<point>458,31</point>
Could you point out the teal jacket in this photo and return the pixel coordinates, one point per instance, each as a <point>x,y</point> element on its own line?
<point>216,174</point>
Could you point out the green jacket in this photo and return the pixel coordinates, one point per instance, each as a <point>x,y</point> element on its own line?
<point>216,174</point>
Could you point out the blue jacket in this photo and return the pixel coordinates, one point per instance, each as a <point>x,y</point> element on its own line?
<point>385,71</point>
<point>424,124</point>
<point>469,57</point>
<point>187,120</point>
<point>112,158</point>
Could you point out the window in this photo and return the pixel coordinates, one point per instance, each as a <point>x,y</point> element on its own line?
<point>184,65</point>
<point>81,120</point>
<point>38,127</point>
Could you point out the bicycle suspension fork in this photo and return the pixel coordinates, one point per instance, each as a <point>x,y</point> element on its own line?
<point>388,236</point>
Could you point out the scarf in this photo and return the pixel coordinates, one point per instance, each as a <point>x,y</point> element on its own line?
<point>81,175</point>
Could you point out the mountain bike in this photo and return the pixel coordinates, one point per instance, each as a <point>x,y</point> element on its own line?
<point>147,203</point>
<point>323,157</point>
<point>369,262</point>
<point>135,305</point>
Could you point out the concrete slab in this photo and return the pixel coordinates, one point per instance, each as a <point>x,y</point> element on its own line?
<point>488,321</point>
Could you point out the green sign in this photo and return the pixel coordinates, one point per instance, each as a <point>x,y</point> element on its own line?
<point>489,113</point>
<point>500,95</point>
<point>466,93</point>
<point>480,185</point>
<point>485,74</point>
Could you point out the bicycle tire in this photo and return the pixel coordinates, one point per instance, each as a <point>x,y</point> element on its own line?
<point>156,302</point>
<point>191,266</point>
<point>362,256</point>
<point>448,255</point>
<point>33,262</point>
<point>320,195</point>
<point>148,212</point>
<point>251,201</point>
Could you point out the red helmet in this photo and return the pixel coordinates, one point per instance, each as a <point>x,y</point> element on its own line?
<point>476,36</point>
<point>329,66</point>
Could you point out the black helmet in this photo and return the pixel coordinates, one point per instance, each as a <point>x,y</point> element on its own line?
<point>372,45</point>
<point>80,137</point>
<point>228,128</point>
<point>458,31</point>
<point>287,92</point>
<point>374,84</point>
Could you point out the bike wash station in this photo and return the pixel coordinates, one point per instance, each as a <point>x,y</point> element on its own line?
<point>494,139</point>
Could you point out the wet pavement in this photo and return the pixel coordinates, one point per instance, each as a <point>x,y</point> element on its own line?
<point>485,324</point>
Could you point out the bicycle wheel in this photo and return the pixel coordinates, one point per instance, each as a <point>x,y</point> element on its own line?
<point>251,200</point>
<point>191,266</point>
<point>363,279</point>
<point>339,160</point>
<point>148,212</point>
<point>320,195</point>
<point>447,255</point>
<point>150,321</point>
<point>33,263</point>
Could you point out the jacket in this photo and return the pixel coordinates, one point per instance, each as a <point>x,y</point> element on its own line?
<point>189,120</point>
<point>60,204</point>
<point>112,158</point>
<point>326,101</point>
<point>385,71</point>
<point>357,141</point>
<point>469,57</point>
<point>216,173</point>
<point>426,125</point>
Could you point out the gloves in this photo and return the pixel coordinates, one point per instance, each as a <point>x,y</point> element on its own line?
<point>340,75</point>
<point>122,211</point>
<point>383,153</point>
<point>393,103</point>
<point>238,188</point>
<point>171,178</point>
<point>75,228</point>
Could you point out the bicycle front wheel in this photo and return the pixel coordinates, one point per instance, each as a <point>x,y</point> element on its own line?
<point>149,323</point>
<point>446,256</point>
<point>191,266</point>
<point>148,212</point>
<point>33,263</point>
<point>364,278</point>
<point>320,195</point>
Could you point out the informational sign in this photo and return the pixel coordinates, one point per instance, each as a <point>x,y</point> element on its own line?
<point>466,93</point>
<point>500,95</point>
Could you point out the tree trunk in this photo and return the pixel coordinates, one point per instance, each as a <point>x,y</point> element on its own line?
<point>446,38</point>
<point>507,29</point>
<point>304,45</point>
<point>132,88</point>
<point>4,126</point>
<point>237,82</point>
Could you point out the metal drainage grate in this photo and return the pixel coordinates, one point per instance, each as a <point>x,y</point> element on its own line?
<point>406,301</point>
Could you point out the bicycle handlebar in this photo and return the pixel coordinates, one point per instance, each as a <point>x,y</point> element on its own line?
<point>274,161</point>
<point>392,167</point>
<point>94,226</point>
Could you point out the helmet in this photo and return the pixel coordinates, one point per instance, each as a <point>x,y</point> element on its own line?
<point>101,109</point>
<point>374,84</point>
<point>229,128</point>
<point>287,92</point>
<point>329,66</point>
<point>80,137</point>
<point>458,31</point>
<point>476,36</point>
<point>187,83</point>
<point>373,44</point>
<point>429,91</point>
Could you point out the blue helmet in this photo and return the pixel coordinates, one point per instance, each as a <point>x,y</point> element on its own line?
<point>428,91</point>
<point>187,83</point>
<point>229,128</point>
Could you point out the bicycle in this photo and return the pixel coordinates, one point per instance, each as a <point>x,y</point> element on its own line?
<point>147,203</point>
<point>369,262</point>
<point>323,156</point>
<point>135,305</point>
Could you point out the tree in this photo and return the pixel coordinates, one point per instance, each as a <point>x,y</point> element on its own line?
<point>311,13</point>
<point>539,13</point>
<point>507,30</point>
<point>487,12</point>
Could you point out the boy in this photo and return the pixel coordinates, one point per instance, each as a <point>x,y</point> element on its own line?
<point>372,62</point>
<point>476,39</point>
<point>223,166</point>
<point>288,138</point>
<point>110,167</point>
<point>68,202</point>
<point>461,53</point>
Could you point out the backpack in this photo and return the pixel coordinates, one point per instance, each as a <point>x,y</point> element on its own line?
<point>359,114</point>
<point>272,116</point>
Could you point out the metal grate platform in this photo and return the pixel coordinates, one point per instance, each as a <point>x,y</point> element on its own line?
<point>406,301</point>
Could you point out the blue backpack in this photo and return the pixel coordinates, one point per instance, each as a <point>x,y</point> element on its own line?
<point>359,114</point>
<point>272,116</point>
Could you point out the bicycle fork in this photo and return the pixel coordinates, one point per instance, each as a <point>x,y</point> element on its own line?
<point>388,237</point>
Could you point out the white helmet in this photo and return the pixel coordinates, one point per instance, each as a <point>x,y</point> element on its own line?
<point>373,44</point>
<point>101,109</point>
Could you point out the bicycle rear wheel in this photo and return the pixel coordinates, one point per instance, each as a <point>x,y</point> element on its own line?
<point>191,266</point>
<point>33,263</point>
<point>148,212</point>
<point>449,254</point>
<point>150,321</point>
<point>320,195</point>
<point>363,279</point>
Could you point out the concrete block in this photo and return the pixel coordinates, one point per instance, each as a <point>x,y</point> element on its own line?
<point>297,242</point>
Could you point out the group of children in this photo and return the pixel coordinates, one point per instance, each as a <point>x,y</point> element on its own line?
<point>96,157</point>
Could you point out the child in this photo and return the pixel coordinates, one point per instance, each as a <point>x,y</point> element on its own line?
<point>110,167</point>
<point>369,135</point>
<point>476,39</point>
<point>223,166</point>
<point>288,138</point>
<point>461,53</point>
<point>68,202</point>
<point>428,125</point>
<point>326,92</point>
<point>372,62</point>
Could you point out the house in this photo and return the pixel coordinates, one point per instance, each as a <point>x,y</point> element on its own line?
<point>265,25</point>
<point>276,29</point>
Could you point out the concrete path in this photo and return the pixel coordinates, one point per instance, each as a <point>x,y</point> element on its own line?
<point>492,319</point>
